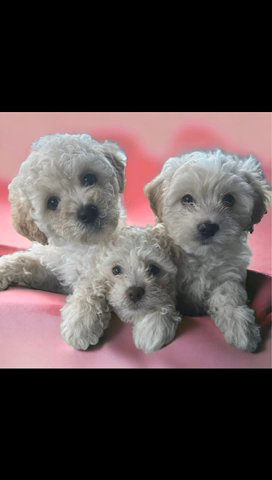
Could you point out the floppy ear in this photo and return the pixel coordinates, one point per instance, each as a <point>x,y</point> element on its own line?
<point>174,251</point>
<point>118,159</point>
<point>254,175</point>
<point>154,192</point>
<point>21,212</point>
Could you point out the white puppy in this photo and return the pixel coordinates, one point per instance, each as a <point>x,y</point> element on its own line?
<point>208,202</point>
<point>66,196</point>
<point>134,276</point>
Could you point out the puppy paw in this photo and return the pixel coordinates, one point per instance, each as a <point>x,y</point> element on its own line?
<point>244,333</point>
<point>81,328</point>
<point>78,336</point>
<point>154,331</point>
<point>4,283</point>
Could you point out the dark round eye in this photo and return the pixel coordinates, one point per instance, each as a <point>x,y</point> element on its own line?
<point>87,179</point>
<point>187,199</point>
<point>228,200</point>
<point>153,269</point>
<point>52,203</point>
<point>116,270</point>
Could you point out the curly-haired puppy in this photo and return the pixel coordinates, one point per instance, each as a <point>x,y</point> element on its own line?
<point>208,202</point>
<point>134,276</point>
<point>67,194</point>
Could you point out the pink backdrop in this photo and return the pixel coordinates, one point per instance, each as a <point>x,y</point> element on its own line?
<point>29,321</point>
<point>156,132</point>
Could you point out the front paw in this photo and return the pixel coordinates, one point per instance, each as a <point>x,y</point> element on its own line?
<point>154,331</point>
<point>244,334</point>
<point>80,329</point>
<point>77,335</point>
<point>4,284</point>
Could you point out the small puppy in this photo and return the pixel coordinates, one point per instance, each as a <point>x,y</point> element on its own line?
<point>66,196</point>
<point>134,276</point>
<point>208,202</point>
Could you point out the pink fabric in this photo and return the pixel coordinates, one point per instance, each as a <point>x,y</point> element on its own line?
<point>30,337</point>
<point>29,320</point>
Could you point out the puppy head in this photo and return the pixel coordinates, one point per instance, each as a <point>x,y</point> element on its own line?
<point>207,199</point>
<point>69,188</point>
<point>141,272</point>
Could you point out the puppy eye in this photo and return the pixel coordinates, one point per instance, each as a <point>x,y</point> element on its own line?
<point>88,179</point>
<point>228,200</point>
<point>52,203</point>
<point>116,270</point>
<point>153,270</point>
<point>187,199</point>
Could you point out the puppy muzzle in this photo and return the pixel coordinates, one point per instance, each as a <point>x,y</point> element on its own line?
<point>88,214</point>
<point>135,294</point>
<point>207,229</point>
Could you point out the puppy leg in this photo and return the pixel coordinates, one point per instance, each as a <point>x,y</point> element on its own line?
<point>85,316</point>
<point>227,306</point>
<point>25,269</point>
<point>156,329</point>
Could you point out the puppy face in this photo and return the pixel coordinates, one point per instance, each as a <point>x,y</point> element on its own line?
<point>141,273</point>
<point>207,199</point>
<point>69,189</point>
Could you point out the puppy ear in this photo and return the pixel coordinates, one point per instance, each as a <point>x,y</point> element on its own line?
<point>154,192</point>
<point>21,213</point>
<point>167,243</point>
<point>254,175</point>
<point>118,159</point>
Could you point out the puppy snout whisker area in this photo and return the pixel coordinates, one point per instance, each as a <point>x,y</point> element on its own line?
<point>88,214</point>
<point>208,229</point>
<point>135,293</point>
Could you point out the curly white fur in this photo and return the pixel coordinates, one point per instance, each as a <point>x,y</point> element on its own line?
<point>59,166</point>
<point>55,168</point>
<point>87,274</point>
<point>98,291</point>
<point>75,257</point>
<point>213,271</point>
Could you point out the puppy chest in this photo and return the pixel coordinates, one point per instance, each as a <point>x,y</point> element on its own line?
<point>194,286</point>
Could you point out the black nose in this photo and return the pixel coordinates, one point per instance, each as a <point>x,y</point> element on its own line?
<point>88,213</point>
<point>135,293</point>
<point>208,229</point>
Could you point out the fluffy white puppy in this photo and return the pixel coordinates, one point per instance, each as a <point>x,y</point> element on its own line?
<point>67,194</point>
<point>208,202</point>
<point>134,276</point>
